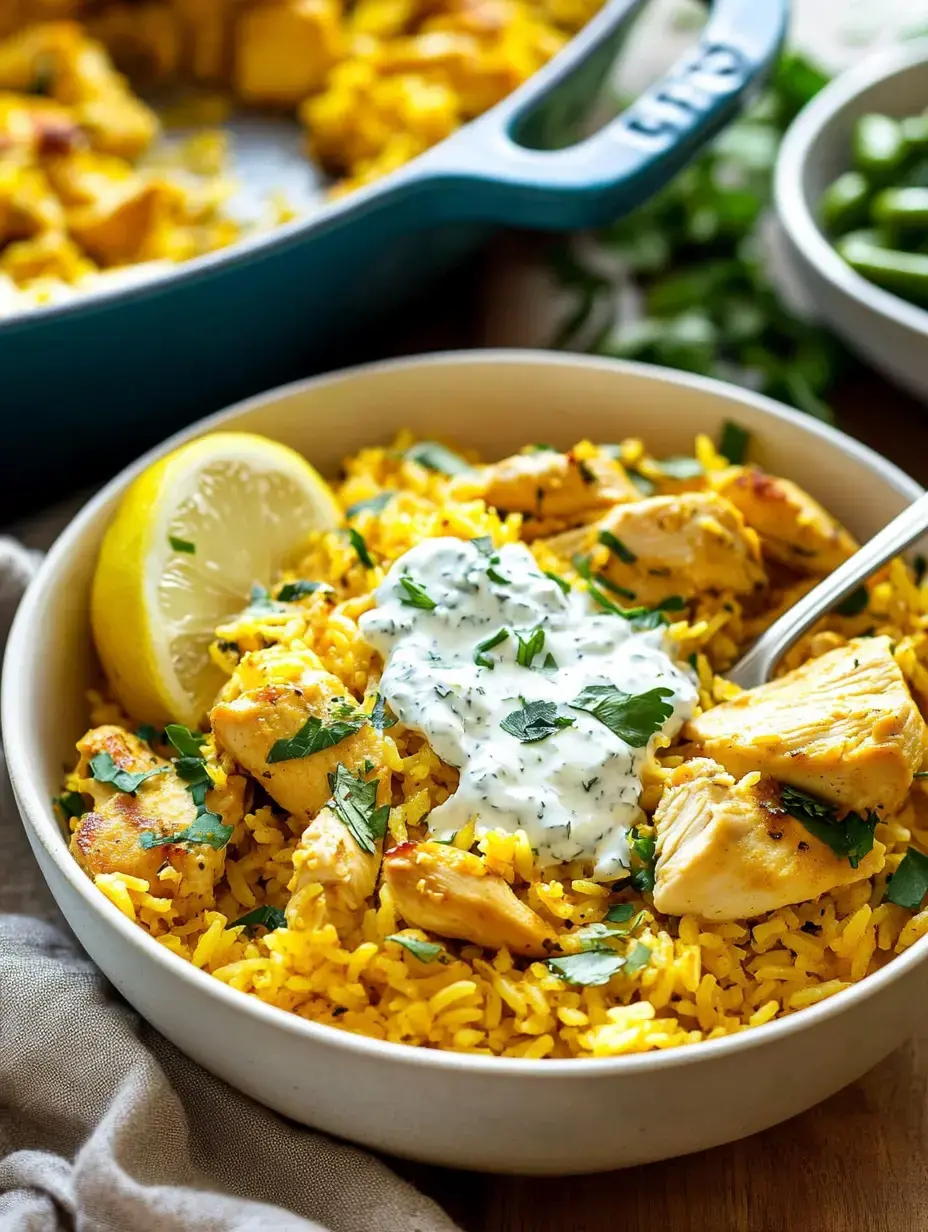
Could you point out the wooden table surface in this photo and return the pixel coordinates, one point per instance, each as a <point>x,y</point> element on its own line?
<point>856,1163</point>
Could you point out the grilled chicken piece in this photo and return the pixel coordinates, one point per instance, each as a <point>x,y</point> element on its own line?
<point>555,490</point>
<point>107,838</point>
<point>451,892</point>
<point>794,529</point>
<point>726,850</point>
<point>673,545</point>
<point>842,726</point>
<point>328,855</point>
<point>249,725</point>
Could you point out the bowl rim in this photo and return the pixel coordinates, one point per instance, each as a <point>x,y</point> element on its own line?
<point>797,215</point>
<point>39,820</point>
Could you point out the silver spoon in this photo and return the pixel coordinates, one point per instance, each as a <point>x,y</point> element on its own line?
<point>758,664</point>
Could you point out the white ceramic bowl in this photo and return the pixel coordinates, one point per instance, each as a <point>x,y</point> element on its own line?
<point>472,1112</point>
<point>890,333</point>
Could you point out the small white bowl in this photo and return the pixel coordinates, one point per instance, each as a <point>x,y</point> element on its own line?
<point>468,1112</point>
<point>887,331</point>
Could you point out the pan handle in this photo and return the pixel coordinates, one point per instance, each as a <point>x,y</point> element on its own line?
<point>483,173</point>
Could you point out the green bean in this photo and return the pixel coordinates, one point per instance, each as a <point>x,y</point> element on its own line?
<point>915,131</point>
<point>844,203</point>
<point>904,208</point>
<point>879,147</point>
<point>905,273</point>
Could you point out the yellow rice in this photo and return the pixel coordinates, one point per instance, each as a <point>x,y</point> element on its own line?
<point>704,980</point>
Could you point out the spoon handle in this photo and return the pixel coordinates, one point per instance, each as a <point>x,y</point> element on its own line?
<point>757,665</point>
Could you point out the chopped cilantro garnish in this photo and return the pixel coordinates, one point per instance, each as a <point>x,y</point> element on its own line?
<point>483,544</point>
<point>919,568</point>
<point>355,803</point>
<point>182,545</point>
<point>558,581</point>
<point>530,646</point>
<point>314,736</point>
<point>105,770</point>
<point>909,883</point>
<point>376,504</point>
<point>416,595</point>
<point>617,547</point>
<point>587,474</point>
<point>147,733</point>
<point>299,589</point>
<point>435,457</point>
<point>681,468</point>
<point>633,717</point>
<point>360,547</point>
<point>734,441</point>
<point>188,743</point>
<point>270,918</point>
<point>550,663</point>
<point>621,913</point>
<point>380,720</point>
<point>638,958</point>
<point>590,967</point>
<point>425,951</point>
<point>71,804</point>
<point>540,447</point>
<point>261,602</point>
<point>484,660</point>
<point>855,603</point>
<point>535,721</point>
<point>206,828</point>
<point>644,848</point>
<point>852,836</point>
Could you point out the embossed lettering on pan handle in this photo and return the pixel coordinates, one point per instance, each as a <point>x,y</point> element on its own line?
<point>486,174</point>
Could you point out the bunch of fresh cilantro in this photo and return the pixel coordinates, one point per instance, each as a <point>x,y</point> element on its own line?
<point>694,254</point>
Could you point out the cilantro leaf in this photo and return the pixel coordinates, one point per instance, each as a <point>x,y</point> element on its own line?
<point>647,487</point>
<point>621,913</point>
<point>376,504</point>
<point>644,848</point>
<point>852,836</point>
<point>299,589</point>
<point>617,547</point>
<point>314,736</point>
<point>484,660</point>
<point>380,720</point>
<point>535,721</point>
<point>71,804</point>
<point>681,468</point>
<point>530,646</point>
<point>206,828</point>
<point>493,573</point>
<point>182,545</point>
<point>260,602</point>
<point>147,733</point>
<point>354,801</point>
<point>360,547</point>
<point>435,457</point>
<point>105,770</point>
<point>909,883</point>
<point>589,967</point>
<point>425,951</point>
<point>558,581</point>
<point>483,544</point>
<point>854,603</point>
<point>633,717</point>
<point>734,441</point>
<point>638,958</point>
<point>267,917</point>
<point>188,743</point>
<point>416,595</point>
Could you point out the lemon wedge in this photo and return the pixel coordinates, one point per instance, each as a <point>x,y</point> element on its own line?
<point>193,534</point>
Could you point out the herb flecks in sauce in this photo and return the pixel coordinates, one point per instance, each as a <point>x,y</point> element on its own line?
<point>573,789</point>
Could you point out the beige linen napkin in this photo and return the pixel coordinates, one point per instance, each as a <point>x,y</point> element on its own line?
<point>106,1127</point>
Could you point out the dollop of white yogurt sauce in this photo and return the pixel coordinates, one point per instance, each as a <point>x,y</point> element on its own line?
<point>576,792</point>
